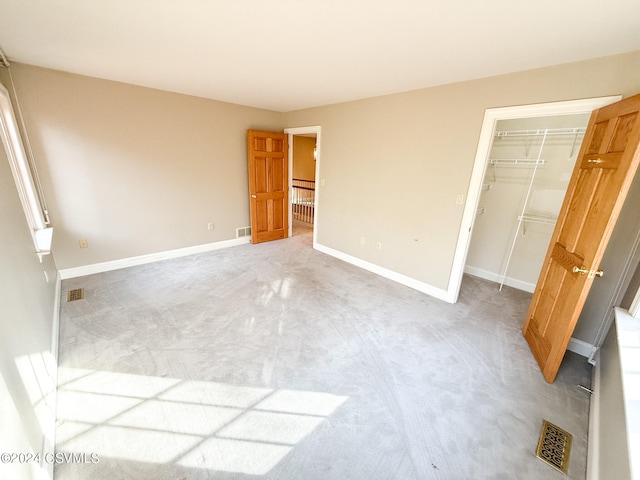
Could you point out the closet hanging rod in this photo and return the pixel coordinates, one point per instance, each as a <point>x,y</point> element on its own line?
<point>516,162</point>
<point>543,219</point>
<point>540,132</point>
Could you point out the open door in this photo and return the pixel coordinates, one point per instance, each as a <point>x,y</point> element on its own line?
<point>268,185</point>
<point>603,173</point>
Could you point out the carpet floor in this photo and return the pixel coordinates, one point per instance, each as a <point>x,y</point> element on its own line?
<point>275,361</point>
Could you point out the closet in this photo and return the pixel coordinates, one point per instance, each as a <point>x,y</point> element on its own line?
<point>527,174</point>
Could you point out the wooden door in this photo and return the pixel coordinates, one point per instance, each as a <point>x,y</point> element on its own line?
<point>268,185</point>
<point>605,167</point>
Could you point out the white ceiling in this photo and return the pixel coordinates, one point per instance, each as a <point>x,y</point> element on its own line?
<point>290,54</point>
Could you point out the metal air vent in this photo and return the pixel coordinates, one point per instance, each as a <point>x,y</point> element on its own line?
<point>554,446</point>
<point>75,294</point>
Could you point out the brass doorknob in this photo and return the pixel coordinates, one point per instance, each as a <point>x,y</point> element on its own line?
<point>253,196</point>
<point>583,270</point>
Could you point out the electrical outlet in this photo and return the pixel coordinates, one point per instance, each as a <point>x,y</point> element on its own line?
<point>378,245</point>
<point>210,226</point>
<point>362,240</point>
<point>459,199</point>
<point>83,243</point>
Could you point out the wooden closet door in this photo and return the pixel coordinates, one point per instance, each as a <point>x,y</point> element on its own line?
<point>604,170</point>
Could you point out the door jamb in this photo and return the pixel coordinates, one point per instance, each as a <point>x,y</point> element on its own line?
<point>299,131</point>
<point>491,117</point>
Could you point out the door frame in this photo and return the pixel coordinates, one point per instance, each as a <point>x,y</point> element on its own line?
<point>485,142</point>
<point>301,131</point>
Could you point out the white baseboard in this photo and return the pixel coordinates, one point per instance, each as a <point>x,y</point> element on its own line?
<point>581,348</point>
<point>385,272</point>
<point>74,272</point>
<point>496,277</point>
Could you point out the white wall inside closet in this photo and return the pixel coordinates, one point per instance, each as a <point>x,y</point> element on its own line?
<point>528,171</point>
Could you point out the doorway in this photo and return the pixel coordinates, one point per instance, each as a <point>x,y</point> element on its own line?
<point>530,163</point>
<point>304,167</point>
<point>303,183</point>
<point>481,165</point>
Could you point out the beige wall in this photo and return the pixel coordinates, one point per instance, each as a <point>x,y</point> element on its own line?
<point>393,165</point>
<point>27,301</point>
<point>304,166</point>
<point>135,170</point>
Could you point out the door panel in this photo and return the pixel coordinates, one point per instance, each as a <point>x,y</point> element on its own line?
<point>623,132</point>
<point>268,185</point>
<point>606,165</point>
<point>261,175</point>
<point>278,170</point>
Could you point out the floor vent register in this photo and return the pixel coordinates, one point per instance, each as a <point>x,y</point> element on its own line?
<point>75,294</point>
<point>554,446</point>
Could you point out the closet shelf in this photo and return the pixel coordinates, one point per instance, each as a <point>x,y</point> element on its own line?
<point>543,219</point>
<point>540,132</point>
<point>515,162</point>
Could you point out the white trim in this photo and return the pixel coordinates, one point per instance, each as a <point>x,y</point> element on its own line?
<point>491,117</point>
<point>581,348</point>
<point>593,439</point>
<point>29,198</point>
<point>55,327</point>
<point>634,309</point>
<point>74,272</point>
<point>51,398</point>
<point>496,277</point>
<point>317,129</point>
<point>628,342</point>
<point>384,272</point>
<point>18,160</point>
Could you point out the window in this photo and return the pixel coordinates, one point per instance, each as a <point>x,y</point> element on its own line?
<point>30,198</point>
